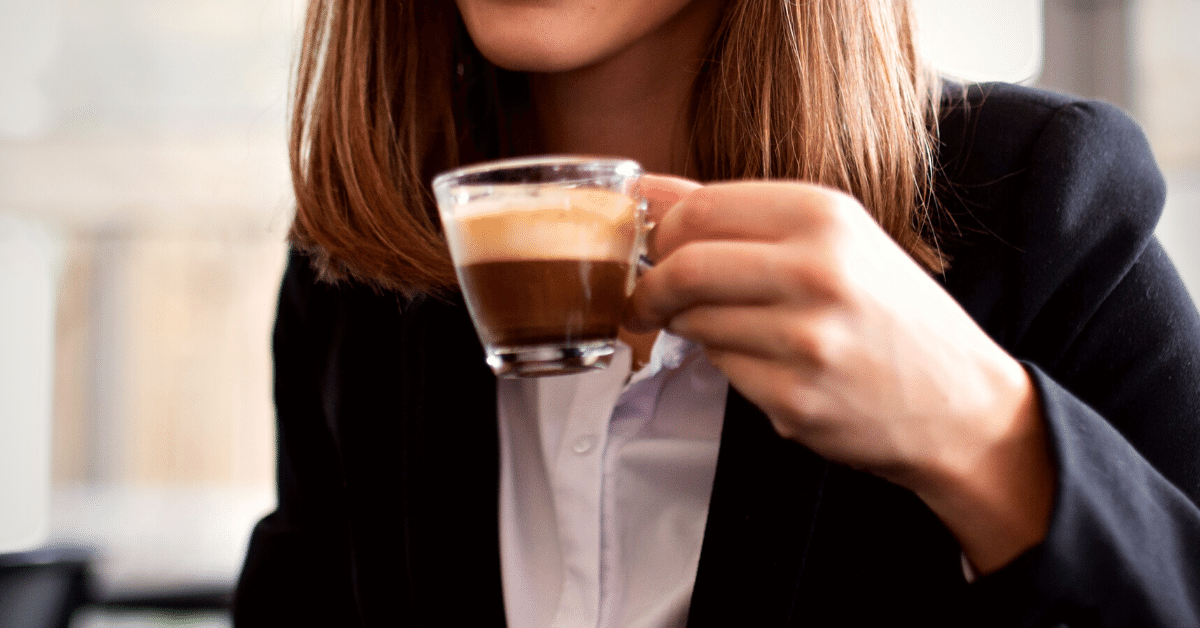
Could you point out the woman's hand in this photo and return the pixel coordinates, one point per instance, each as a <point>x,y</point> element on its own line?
<point>850,348</point>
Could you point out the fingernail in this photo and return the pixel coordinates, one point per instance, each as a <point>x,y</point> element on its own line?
<point>643,264</point>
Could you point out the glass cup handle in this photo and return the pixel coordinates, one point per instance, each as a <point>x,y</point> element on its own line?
<point>644,262</point>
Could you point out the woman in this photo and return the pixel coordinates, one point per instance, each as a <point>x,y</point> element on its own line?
<point>939,369</point>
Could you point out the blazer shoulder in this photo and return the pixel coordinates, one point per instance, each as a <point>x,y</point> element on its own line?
<point>1043,194</point>
<point>1016,145</point>
<point>1002,118</point>
<point>1006,107</point>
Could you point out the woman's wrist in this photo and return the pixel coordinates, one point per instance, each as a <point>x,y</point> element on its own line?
<point>994,487</point>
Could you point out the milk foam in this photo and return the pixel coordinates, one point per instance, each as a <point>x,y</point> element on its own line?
<point>580,223</point>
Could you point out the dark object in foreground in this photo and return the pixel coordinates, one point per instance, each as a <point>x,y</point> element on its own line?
<point>45,588</point>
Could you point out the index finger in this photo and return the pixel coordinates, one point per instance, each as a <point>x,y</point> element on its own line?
<point>762,211</point>
<point>661,193</point>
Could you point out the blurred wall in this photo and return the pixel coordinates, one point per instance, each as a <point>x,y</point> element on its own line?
<point>147,139</point>
<point>149,136</point>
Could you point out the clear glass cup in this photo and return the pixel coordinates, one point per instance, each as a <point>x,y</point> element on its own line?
<point>545,249</point>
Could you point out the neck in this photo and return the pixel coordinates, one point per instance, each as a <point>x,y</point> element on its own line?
<point>635,104</point>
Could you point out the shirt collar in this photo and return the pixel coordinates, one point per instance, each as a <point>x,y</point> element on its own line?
<point>667,353</point>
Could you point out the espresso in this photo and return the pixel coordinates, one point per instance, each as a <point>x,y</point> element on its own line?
<point>545,301</point>
<point>545,270</point>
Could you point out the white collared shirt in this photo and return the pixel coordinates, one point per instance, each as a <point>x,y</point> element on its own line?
<point>605,487</point>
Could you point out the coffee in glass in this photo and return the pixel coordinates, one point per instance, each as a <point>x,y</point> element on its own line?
<point>545,250</point>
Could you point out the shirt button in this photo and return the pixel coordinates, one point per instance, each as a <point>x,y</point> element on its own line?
<point>583,444</point>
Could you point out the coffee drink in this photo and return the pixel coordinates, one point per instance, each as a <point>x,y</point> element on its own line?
<point>539,302</point>
<point>544,248</point>
<point>546,270</point>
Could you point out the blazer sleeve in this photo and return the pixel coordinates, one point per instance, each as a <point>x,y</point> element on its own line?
<point>297,570</point>
<point>1112,342</point>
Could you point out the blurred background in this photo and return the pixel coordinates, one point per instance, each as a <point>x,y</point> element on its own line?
<point>144,199</point>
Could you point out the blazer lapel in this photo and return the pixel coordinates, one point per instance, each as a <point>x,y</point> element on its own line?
<point>793,539</point>
<point>459,468</point>
<point>426,535</point>
<point>760,522</point>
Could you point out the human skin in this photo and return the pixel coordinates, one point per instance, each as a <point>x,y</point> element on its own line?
<point>850,348</point>
<point>608,77</point>
<point>797,295</point>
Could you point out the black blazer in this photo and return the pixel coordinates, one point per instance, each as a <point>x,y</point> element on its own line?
<point>388,455</point>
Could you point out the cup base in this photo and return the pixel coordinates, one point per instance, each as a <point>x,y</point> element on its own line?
<point>552,359</point>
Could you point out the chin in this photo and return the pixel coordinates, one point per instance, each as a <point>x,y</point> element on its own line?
<point>563,35</point>
<point>555,35</point>
<point>537,46</point>
<point>536,56</point>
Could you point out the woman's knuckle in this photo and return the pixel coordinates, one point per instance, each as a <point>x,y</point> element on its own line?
<point>824,216</point>
<point>794,415</point>
<point>686,269</point>
<point>797,271</point>
<point>785,427</point>
<point>830,283</point>
<point>697,210</point>
<point>817,341</point>
<point>800,341</point>
<point>815,277</point>
<point>829,347</point>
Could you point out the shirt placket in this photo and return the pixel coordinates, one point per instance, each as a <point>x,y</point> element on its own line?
<point>578,485</point>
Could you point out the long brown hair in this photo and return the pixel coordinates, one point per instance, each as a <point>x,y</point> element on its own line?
<point>388,93</point>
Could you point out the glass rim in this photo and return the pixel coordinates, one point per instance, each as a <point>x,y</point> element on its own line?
<point>617,165</point>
